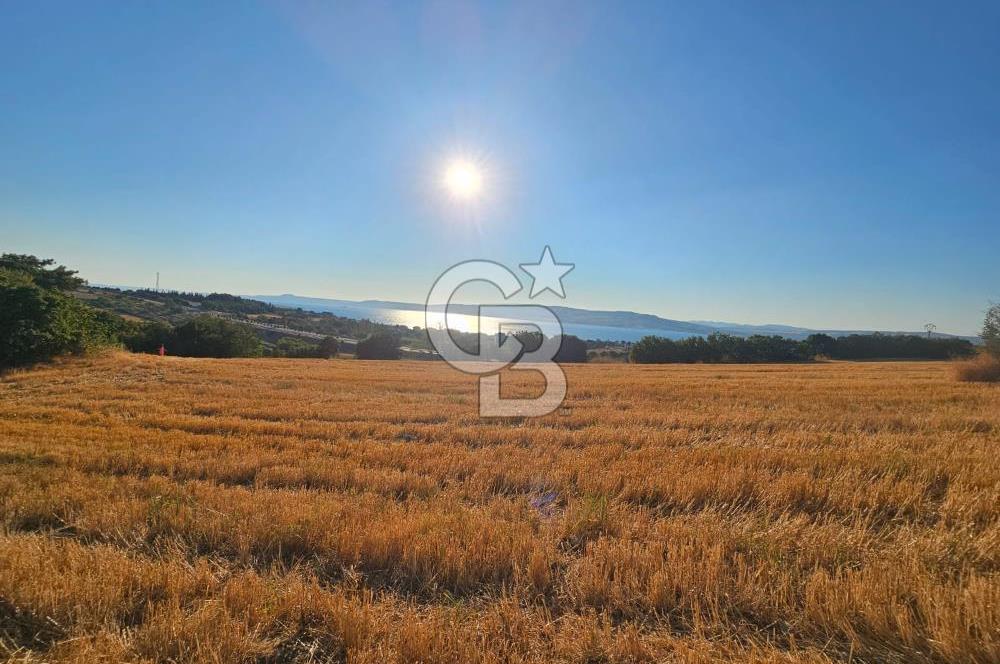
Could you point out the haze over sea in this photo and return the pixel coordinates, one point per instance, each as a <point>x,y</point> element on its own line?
<point>468,323</point>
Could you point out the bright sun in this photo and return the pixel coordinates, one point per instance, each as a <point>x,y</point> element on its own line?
<point>463,180</point>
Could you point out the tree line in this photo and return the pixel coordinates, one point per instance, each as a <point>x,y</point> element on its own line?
<point>39,319</point>
<point>211,336</point>
<point>232,304</point>
<point>175,307</point>
<point>727,348</point>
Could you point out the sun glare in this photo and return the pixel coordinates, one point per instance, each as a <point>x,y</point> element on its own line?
<point>463,180</point>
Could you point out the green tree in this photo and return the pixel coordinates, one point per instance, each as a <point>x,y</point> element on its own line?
<point>37,269</point>
<point>292,347</point>
<point>378,346</point>
<point>148,337</point>
<point>37,323</point>
<point>821,344</point>
<point>328,347</point>
<point>991,330</point>
<point>211,336</point>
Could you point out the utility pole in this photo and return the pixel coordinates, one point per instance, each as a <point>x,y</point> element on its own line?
<point>930,327</point>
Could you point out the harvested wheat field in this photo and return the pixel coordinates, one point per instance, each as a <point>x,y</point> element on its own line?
<point>181,510</point>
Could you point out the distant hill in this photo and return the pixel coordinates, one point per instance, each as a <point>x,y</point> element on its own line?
<point>271,322</point>
<point>596,321</point>
<point>343,317</point>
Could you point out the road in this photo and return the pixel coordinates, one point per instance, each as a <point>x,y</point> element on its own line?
<point>306,335</point>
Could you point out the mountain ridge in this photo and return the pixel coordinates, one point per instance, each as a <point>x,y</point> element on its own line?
<point>622,319</point>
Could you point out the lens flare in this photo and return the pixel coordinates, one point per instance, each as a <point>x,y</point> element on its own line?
<point>463,180</point>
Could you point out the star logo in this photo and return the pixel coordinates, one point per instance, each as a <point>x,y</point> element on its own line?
<point>547,274</point>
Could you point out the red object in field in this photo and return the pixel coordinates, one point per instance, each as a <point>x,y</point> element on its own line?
<point>163,350</point>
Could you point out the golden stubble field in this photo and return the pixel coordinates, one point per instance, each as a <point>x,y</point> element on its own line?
<point>176,510</point>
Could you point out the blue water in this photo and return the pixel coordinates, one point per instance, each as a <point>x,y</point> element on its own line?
<point>465,323</point>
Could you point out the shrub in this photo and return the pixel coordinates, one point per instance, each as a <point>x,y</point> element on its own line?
<point>983,369</point>
<point>378,346</point>
<point>572,349</point>
<point>148,337</point>
<point>38,321</point>
<point>210,336</point>
<point>292,347</point>
<point>328,347</point>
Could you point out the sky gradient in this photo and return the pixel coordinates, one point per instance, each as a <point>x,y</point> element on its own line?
<point>831,165</point>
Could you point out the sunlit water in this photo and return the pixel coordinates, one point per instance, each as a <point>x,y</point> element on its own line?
<point>467,323</point>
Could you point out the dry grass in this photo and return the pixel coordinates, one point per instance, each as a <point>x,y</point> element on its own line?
<point>983,369</point>
<point>167,509</point>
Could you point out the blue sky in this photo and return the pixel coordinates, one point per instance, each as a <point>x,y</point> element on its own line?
<point>820,164</point>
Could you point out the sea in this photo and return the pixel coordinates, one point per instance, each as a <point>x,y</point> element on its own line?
<point>467,323</point>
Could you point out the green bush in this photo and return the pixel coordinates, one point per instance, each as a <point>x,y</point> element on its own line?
<point>292,347</point>
<point>211,336</point>
<point>378,346</point>
<point>38,321</point>
<point>328,347</point>
<point>149,337</point>
<point>571,349</point>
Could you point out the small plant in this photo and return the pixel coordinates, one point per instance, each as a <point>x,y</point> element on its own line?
<point>586,520</point>
<point>983,369</point>
<point>986,367</point>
